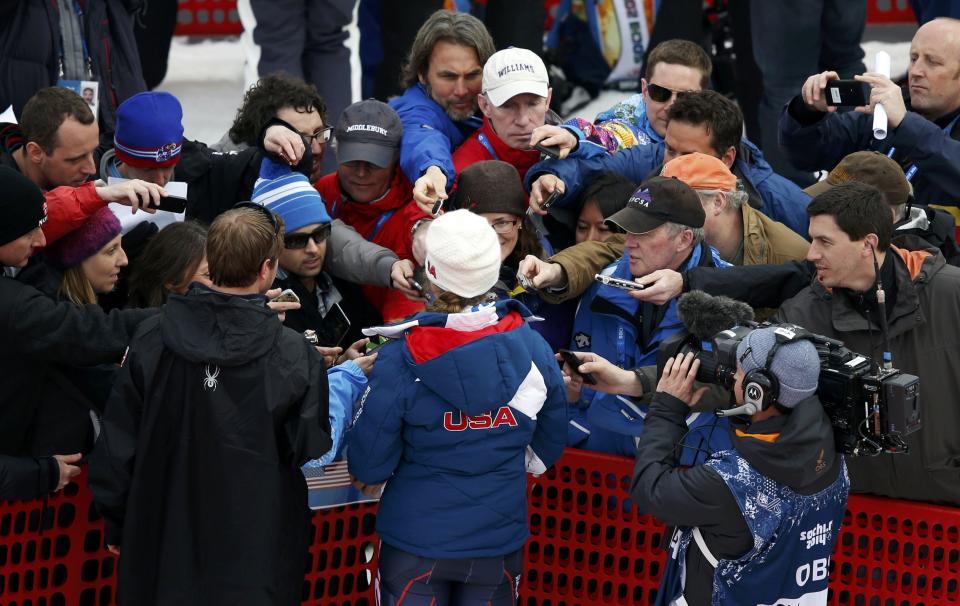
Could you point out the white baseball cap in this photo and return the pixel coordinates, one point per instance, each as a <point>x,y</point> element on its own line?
<point>513,71</point>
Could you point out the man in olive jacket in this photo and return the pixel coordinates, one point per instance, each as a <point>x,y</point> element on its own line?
<point>848,225</point>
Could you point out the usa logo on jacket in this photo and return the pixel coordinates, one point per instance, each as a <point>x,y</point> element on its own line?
<point>487,420</point>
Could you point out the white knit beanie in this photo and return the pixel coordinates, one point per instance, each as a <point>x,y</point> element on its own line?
<point>463,254</point>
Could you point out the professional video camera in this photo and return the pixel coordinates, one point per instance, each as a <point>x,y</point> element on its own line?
<point>871,406</point>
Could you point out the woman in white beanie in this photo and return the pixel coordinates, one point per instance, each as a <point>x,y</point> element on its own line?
<point>464,399</point>
<point>493,190</point>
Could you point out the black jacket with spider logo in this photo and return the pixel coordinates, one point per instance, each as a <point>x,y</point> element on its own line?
<point>197,470</point>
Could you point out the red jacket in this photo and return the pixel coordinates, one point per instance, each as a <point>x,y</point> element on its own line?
<point>393,233</point>
<point>473,150</point>
<point>68,208</point>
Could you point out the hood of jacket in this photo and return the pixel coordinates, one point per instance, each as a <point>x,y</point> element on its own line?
<point>213,327</point>
<point>796,450</point>
<point>475,360</point>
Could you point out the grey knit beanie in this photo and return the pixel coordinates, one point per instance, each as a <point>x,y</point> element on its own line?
<point>796,365</point>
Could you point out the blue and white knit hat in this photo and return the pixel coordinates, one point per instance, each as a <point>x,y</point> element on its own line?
<point>289,194</point>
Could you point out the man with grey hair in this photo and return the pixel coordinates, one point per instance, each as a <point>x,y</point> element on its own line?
<point>443,76</point>
<point>664,222</point>
<point>741,234</point>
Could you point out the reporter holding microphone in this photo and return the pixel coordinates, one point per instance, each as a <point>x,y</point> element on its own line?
<point>755,524</point>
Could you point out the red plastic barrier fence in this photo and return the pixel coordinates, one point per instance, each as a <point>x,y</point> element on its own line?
<point>219,17</point>
<point>208,18</point>
<point>889,12</point>
<point>67,565</point>
<point>587,546</point>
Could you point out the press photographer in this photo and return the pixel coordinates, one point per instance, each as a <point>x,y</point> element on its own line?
<point>756,524</point>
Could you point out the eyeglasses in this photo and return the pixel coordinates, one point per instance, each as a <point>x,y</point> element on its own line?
<point>321,135</point>
<point>662,94</point>
<point>504,226</point>
<point>262,209</point>
<point>298,241</point>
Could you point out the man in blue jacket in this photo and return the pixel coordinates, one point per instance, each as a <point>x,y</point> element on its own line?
<point>703,121</point>
<point>438,109</point>
<point>664,225</point>
<point>923,132</point>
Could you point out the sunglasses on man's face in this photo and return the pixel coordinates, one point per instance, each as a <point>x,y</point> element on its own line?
<point>298,241</point>
<point>662,94</point>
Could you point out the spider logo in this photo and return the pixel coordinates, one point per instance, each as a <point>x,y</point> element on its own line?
<point>210,382</point>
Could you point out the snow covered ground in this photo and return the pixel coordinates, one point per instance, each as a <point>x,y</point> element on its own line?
<point>207,77</point>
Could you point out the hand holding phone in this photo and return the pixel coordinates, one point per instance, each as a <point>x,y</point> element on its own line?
<point>553,197</point>
<point>551,151</point>
<point>618,282</point>
<point>847,93</point>
<point>374,344</point>
<point>287,296</point>
<point>571,360</point>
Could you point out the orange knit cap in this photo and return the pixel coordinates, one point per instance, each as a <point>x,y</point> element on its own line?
<point>701,171</point>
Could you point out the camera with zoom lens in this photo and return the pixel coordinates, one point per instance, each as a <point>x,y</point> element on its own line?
<point>871,406</point>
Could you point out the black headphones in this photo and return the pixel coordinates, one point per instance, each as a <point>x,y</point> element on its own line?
<point>761,388</point>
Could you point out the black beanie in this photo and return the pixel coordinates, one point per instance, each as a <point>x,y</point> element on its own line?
<point>22,205</point>
<point>492,186</point>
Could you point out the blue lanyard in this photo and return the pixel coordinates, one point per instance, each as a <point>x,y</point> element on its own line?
<point>482,138</point>
<point>384,217</point>
<point>912,171</point>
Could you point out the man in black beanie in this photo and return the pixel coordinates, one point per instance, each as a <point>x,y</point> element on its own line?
<point>35,330</point>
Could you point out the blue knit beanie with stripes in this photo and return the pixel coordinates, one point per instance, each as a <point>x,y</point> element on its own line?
<point>289,194</point>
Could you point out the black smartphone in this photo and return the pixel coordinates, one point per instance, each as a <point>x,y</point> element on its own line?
<point>553,197</point>
<point>169,204</point>
<point>574,363</point>
<point>618,282</point>
<point>551,151</point>
<point>847,93</point>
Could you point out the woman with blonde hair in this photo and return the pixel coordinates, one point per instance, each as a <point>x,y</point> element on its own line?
<point>89,258</point>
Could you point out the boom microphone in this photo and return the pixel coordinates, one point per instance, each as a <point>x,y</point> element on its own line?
<point>705,315</point>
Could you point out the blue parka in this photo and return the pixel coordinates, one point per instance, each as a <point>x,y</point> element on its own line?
<point>782,200</point>
<point>608,324</point>
<point>429,135</point>
<point>459,408</point>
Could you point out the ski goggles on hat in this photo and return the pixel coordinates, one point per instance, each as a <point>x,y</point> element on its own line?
<point>662,94</point>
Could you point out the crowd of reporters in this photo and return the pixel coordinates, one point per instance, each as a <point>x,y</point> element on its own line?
<point>144,277</point>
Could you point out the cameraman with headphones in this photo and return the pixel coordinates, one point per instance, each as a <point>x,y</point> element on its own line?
<point>756,524</point>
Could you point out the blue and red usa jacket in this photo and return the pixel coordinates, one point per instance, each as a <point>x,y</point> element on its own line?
<point>459,408</point>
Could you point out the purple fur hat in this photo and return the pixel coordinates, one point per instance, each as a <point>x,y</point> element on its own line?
<point>85,241</point>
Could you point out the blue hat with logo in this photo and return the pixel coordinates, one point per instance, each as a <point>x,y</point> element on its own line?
<point>289,194</point>
<point>149,130</point>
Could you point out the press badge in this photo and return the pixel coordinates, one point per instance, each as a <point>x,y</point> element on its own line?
<point>89,91</point>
